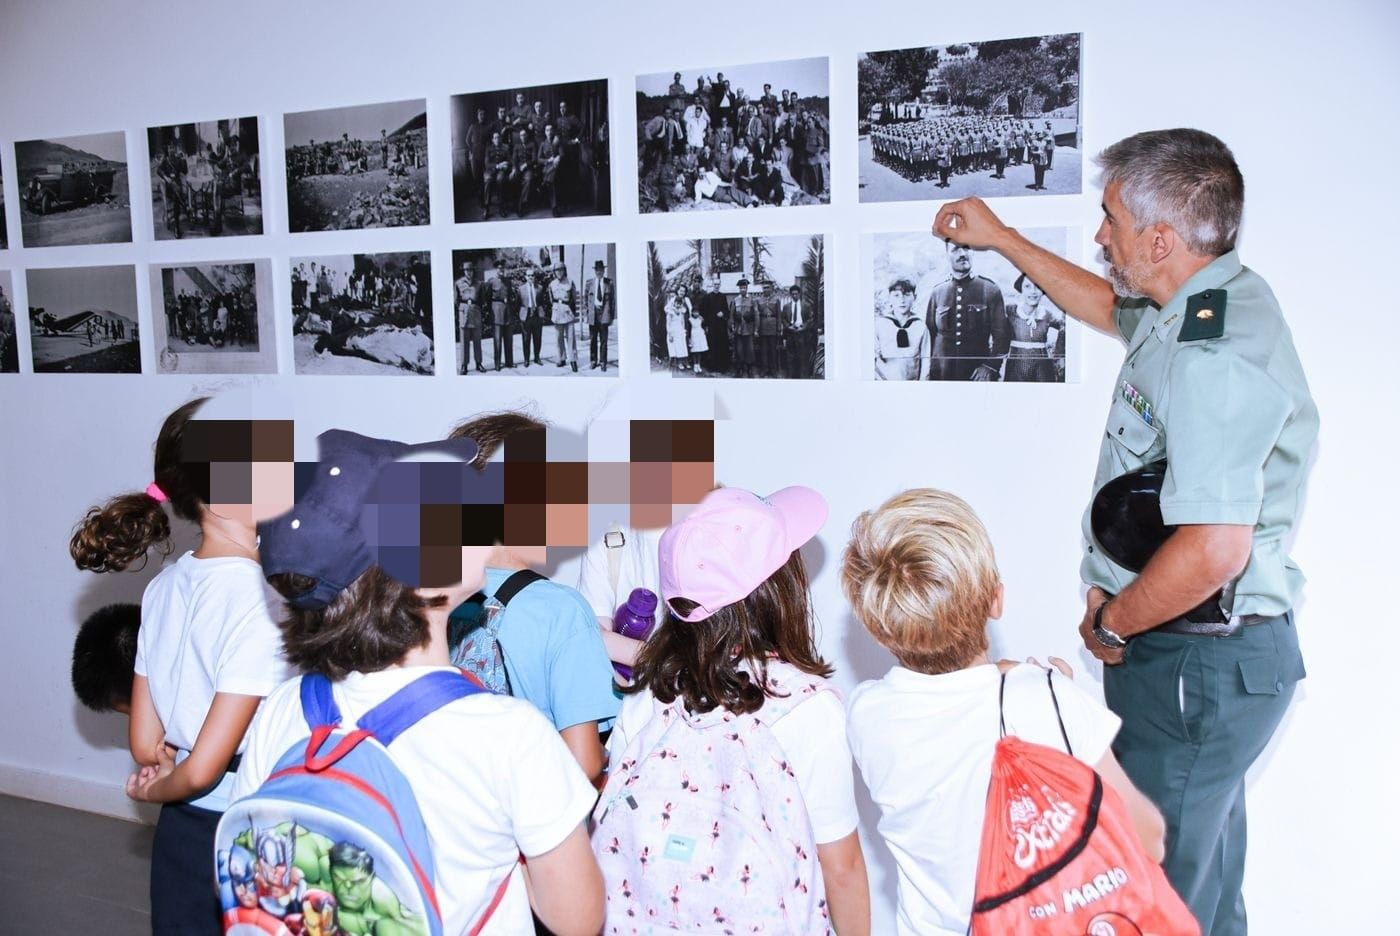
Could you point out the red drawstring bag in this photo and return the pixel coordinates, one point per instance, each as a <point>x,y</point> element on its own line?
<point>1060,854</point>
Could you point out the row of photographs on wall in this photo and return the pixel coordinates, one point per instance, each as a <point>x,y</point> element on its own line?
<point>747,307</point>
<point>995,118</point>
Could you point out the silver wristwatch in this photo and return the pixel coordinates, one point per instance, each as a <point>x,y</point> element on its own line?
<point>1102,634</point>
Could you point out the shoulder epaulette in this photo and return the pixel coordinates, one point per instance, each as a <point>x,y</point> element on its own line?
<point>1205,316</point>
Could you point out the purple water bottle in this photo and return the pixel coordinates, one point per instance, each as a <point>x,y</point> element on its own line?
<point>635,618</point>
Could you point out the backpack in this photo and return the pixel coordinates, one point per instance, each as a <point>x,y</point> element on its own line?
<point>473,635</point>
<point>333,841</point>
<point>702,827</point>
<point>1059,852</point>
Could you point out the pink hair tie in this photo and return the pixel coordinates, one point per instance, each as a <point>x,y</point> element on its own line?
<point>154,492</point>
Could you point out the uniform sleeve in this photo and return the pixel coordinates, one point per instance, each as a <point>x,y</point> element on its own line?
<point>544,791</point>
<point>250,660</point>
<point>1225,418</point>
<point>580,673</point>
<point>813,736</point>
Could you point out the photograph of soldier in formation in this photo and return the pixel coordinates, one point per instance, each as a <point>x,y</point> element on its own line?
<point>363,314</point>
<point>531,152</point>
<point>944,312</point>
<point>992,119</point>
<point>217,318</point>
<point>357,167</point>
<point>738,307</point>
<point>739,137</point>
<point>206,179</point>
<point>74,190</point>
<point>561,302</point>
<point>9,336</point>
<point>83,320</point>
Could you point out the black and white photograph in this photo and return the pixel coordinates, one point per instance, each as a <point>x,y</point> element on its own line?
<point>357,167</point>
<point>536,152</point>
<point>74,190</point>
<point>738,307</point>
<point>82,320</point>
<point>946,312</point>
<point>548,311</point>
<point>368,314</point>
<point>740,136</point>
<point>206,179</point>
<point>9,341</point>
<point>215,318</point>
<point>992,119</point>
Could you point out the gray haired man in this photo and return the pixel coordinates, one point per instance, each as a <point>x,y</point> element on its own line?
<point>1212,384</point>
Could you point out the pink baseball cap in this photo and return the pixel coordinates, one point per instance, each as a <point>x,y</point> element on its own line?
<point>732,542</point>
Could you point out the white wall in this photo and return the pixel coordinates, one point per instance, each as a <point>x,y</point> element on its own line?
<point>1304,95</point>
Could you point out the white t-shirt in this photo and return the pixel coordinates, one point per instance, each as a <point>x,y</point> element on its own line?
<point>206,627</point>
<point>637,568</point>
<point>924,745</point>
<point>492,777</point>
<point>813,738</point>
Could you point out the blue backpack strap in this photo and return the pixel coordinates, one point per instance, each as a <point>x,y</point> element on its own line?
<point>318,702</point>
<point>419,699</point>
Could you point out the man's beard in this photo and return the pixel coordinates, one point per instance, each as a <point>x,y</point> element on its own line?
<point>1123,283</point>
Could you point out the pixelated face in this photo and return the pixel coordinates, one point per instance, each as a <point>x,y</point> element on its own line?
<point>245,468</point>
<point>352,887</point>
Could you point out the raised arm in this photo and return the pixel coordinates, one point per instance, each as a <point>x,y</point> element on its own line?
<point>1084,295</point>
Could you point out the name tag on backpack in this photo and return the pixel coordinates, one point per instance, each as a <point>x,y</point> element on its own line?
<point>679,848</point>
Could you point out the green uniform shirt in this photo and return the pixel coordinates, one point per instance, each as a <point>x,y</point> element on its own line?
<point>1233,417</point>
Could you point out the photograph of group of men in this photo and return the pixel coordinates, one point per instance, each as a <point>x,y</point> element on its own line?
<point>995,118</point>
<point>945,312</point>
<point>206,179</point>
<point>4,231</point>
<point>531,152</point>
<point>357,167</point>
<point>210,307</point>
<point>363,314</point>
<point>9,334</point>
<point>74,190</point>
<point>83,320</point>
<point>560,300</point>
<point>738,307</point>
<point>738,137</point>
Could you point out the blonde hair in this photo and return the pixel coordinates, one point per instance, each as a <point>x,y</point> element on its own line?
<point>921,575</point>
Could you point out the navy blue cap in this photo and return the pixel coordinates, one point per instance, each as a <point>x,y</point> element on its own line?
<point>321,536</point>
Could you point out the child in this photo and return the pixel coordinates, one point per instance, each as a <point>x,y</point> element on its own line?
<point>492,778</point>
<point>551,653</point>
<point>730,798</point>
<point>207,650</point>
<point>104,658</point>
<point>920,574</point>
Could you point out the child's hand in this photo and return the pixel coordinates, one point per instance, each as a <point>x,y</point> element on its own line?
<point>1056,662</point>
<point>140,785</point>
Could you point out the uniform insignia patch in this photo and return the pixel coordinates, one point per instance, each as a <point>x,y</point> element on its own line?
<point>1205,316</point>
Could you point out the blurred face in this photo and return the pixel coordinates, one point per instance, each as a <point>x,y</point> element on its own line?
<point>520,99</point>
<point>1124,247</point>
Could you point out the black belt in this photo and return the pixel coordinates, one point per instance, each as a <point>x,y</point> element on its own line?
<point>1237,623</point>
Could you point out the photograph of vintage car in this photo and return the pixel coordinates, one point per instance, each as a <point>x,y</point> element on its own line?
<point>206,179</point>
<point>74,190</point>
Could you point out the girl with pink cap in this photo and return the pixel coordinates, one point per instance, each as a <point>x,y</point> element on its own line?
<point>730,800</point>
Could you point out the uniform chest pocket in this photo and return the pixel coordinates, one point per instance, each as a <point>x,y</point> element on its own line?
<point>1129,429</point>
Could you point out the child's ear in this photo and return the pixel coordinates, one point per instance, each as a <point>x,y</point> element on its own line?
<point>998,603</point>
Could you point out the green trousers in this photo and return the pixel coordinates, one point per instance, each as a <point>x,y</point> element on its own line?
<point>1196,713</point>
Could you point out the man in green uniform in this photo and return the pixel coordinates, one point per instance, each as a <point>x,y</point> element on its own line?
<point>1211,382</point>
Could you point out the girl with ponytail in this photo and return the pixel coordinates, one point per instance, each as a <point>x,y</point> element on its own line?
<point>208,649</point>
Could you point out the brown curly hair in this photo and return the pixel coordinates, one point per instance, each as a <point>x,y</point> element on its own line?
<point>707,663</point>
<point>112,537</point>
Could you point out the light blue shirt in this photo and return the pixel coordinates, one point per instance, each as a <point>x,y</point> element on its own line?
<point>1231,415</point>
<point>553,653</point>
